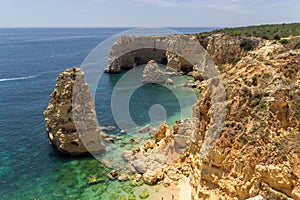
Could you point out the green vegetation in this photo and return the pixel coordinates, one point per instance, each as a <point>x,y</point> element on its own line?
<point>297,46</point>
<point>254,80</point>
<point>284,41</point>
<point>144,195</point>
<point>236,60</point>
<point>270,31</point>
<point>247,45</point>
<point>132,197</point>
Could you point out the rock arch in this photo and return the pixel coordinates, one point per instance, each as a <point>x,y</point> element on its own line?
<point>175,51</point>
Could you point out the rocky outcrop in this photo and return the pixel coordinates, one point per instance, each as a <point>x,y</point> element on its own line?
<point>183,132</point>
<point>256,151</point>
<point>70,117</point>
<point>160,132</point>
<point>152,73</point>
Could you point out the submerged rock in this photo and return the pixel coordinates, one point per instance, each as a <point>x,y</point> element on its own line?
<point>170,81</point>
<point>94,180</point>
<point>108,128</point>
<point>152,73</point>
<point>114,174</point>
<point>144,195</point>
<point>145,129</point>
<point>109,139</point>
<point>123,177</point>
<point>68,129</point>
<point>124,131</point>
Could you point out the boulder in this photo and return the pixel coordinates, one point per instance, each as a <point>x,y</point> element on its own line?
<point>107,162</point>
<point>152,73</point>
<point>114,174</point>
<point>109,139</point>
<point>170,69</point>
<point>170,81</point>
<point>145,129</point>
<point>172,73</point>
<point>196,75</point>
<point>148,146</point>
<point>128,155</point>
<point>113,70</point>
<point>160,132</point>
<point>94,180</point>
<point>183,132</point>
<point>124,131</point>
<point>123,177</point>
<point>150,177</point>
<point>108,128</point>
<point>139,166</point>
<point>134,140</point>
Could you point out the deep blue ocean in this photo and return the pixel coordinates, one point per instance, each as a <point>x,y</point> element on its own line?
<point>30,61</point>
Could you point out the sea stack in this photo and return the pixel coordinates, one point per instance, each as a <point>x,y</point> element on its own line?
<point>70,116</point>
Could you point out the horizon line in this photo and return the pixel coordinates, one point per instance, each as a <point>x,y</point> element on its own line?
<point>21,27</point>
<point>230,26</point>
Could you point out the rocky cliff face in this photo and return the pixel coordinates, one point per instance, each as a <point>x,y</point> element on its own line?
<point>70,117</point>
<point>178,52</point>
<point>257,151</point>
<point>225,49</point>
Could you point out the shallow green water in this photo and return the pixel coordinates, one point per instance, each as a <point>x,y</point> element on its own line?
<point>31,59</point>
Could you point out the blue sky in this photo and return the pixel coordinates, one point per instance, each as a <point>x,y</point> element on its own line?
<point>146,13</point>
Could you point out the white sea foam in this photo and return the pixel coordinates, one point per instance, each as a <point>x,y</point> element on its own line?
<point>29,77</point>
<point>17,78</point>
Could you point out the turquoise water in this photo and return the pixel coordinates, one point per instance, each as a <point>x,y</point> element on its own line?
<point>31,59</point>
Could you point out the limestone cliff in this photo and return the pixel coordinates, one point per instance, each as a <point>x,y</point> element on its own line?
<point>179,52</point>
<point>257,151</point>
<point>224,48</point>
<point>70,117</point>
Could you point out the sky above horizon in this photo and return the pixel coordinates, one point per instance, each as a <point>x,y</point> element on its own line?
<point>146,13</point>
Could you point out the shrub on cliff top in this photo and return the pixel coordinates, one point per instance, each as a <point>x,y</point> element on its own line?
<point>276,37</point>
<point>284,41</point>
<point>297,46</point>
<point>247,44</point>
<point>236,60</point>
<point>268,31</point>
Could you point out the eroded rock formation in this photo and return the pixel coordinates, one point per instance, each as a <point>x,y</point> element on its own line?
<point>244,139</point>
<point>179,52</point>
<point>224,48</point>
<point>72,127</point>
<point>257,151</point>
<point>152,73</point>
